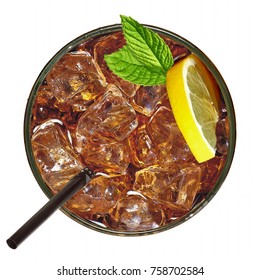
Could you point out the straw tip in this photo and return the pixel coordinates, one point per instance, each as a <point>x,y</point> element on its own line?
<point>11,243</point>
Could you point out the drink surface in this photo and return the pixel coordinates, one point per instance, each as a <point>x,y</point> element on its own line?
<point>84,115</point>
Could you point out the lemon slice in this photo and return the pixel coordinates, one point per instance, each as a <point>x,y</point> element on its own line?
<point>193,95</point>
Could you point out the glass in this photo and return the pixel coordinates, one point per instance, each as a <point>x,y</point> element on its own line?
<point>144,113</point>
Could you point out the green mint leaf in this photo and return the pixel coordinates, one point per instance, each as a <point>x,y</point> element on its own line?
<point>145,59</point>
<point>147,45</point>
<point>125,65</point>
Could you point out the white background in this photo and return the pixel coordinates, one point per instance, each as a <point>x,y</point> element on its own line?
<point>224,236</point>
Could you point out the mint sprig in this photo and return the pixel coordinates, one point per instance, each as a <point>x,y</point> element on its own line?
<point>145,59</point>
<point>125,65</point>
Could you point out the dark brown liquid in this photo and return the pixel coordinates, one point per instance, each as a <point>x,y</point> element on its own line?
<point>123,130</point>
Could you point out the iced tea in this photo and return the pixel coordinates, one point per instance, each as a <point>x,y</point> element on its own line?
<point>84,115</point>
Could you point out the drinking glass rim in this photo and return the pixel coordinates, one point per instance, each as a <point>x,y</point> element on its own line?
<point>106,30</point>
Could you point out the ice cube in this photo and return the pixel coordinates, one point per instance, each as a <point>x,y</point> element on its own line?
<point>54,155</point>
<point>75,80</point>
<point>161,125</point>
<point>44,106</point>
<point>135,213</point>
<point>211,170</point>
<point>141,147</point>
<point>147,99</point>
<point>110,114</point>
<point>222,132</point>
<point>178,51</point>
<point>175,187</point>
<point>171,147</point>
<point>100,194</point>
<point>102,153</point>
<point>111,44</point>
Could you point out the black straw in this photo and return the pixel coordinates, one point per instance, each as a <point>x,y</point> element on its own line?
<point>72,187</point>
